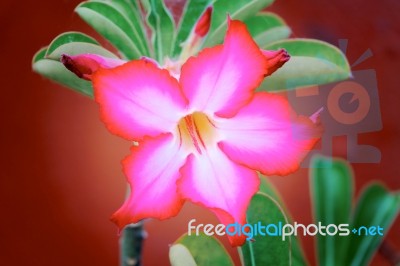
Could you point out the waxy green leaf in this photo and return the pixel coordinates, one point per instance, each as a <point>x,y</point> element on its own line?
<point>375,207</point>
<point>107,20</point>
<point>266,249</point>
<point>267,27</point>
<point>68,37</point>
<point>205,250</point>
<point>73,43</point>
<point>312,62</point>
<point>47,61</point>
<point>238,9</point>
<point>161,22</point>
<point>191,14</point>
<point>332,192</point>
<point>267,188</point>
<point>56,71</point>
<point>179,255</point>
<point>131,12</point>
<point>39,55</point>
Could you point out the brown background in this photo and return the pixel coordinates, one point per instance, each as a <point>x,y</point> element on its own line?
<point>60,173</point>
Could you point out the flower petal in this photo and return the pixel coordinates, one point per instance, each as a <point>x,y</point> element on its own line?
<point>268,136</point>
<point>84,65</point>
<point>138,99</point>
<point>222,79</point>
<point>275,59</point>
<point>214,181</point>
<point>152,170</point>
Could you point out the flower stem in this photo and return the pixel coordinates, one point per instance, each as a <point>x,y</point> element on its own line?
<point>131,242</point>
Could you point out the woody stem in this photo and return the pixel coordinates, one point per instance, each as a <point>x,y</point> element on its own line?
<point>131,242</point>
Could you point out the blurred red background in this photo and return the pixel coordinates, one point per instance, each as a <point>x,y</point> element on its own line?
<point>60,171</point>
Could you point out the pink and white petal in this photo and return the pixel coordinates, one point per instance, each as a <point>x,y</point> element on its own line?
<point>138,99</point>
<point>152,170</point>
<point>84,65</point>
<point>268,136</point>
<point>217,183</point>
<point>222,79</point>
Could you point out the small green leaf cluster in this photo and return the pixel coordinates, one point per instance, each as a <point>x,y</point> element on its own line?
<point>137,28</point>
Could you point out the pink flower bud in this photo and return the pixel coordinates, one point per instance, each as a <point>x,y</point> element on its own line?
<point>276,59</point>
<point>84,65</point>
<point>203,24</point>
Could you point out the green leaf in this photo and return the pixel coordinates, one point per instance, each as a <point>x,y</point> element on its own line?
<point>266,250</point>
<point>39,55</point>
<point>312,62</point>
<point>238,9</point>
<point>68,37</point>
<point>179,255</point>
<point>56,71</point>
<point>73,43</point>
<point>267,188</point>
<point>332,191</point>
<point>162,24</point>
<point>267,27</point>
<point>375,207</point>
<point>135,4</point>
<point>205,250</point>
<point>298,258</point>
<point>131,12</point>
<point>112,25</point>
<point>47,61</point>
<point>191,13</point>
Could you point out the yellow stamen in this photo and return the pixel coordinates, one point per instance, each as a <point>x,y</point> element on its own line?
<point>196,131</point>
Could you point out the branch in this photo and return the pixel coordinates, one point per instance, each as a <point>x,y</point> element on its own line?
<point>131,243</point>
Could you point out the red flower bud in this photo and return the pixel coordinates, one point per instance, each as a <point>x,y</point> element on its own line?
<point>276,59</point>
<point>203,24</point>
<point>84,65</point>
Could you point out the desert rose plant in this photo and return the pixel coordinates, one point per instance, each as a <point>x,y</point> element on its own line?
<point>195,95</point>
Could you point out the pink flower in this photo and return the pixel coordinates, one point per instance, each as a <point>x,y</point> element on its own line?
<point>201,138</point>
